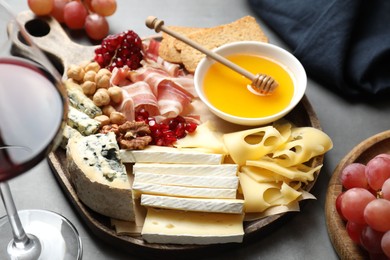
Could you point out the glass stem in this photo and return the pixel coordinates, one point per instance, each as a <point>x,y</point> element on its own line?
<point>21,240</point>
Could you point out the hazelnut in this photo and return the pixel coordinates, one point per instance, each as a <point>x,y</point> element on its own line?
<point>116,94</point>
<point>107,110</point>
<point>75,72</point>
<point>101,97</point>
<point>117,118</point>
<point>89,87</point>
<point>92,66</point>
<point>89,76</point>
<point>103,119</point>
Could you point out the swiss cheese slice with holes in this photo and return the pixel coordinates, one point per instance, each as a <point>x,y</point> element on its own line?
<point>98,175</point>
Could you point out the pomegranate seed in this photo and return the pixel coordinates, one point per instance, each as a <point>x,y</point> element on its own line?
<point>120,50</point>
<point>191,127</point>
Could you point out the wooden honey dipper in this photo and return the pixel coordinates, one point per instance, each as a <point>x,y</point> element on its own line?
<point>261,84</point>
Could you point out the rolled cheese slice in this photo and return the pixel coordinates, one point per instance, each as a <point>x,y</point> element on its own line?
<point>99,177</point>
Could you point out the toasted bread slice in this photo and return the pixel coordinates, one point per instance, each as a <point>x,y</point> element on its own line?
<point>244,29</point>
<point>167,50</point>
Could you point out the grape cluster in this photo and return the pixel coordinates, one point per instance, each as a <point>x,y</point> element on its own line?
<point>365,204</point>
<point>167,132</point>
<point>78,14</point>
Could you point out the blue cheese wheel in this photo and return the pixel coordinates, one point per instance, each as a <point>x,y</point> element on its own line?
<point>98,175</point>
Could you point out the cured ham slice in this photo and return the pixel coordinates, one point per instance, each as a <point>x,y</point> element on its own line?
<point>159,87</point>
<point>172,99</point>
<point>142,97</point>
<point>127,107</point>
<point>153,76</point>
<point>119,76</point>
<point>151,54</point>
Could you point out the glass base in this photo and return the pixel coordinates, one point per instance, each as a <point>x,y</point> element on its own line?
<point>58,238</point>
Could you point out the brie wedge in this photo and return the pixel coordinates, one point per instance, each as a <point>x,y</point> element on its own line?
<point>185,227</point>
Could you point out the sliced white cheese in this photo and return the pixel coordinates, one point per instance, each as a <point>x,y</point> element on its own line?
<point>234,206</point>
<point>187,169</point>
<point>159,154</point>
<point>185,227</point>
<point>150,188</point>
<point>228,182</point>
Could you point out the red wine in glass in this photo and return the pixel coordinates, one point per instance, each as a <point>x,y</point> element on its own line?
<point>33,111</point>
<point>31,116</point>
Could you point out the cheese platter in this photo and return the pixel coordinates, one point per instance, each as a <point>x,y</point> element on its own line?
<point>302,115</point>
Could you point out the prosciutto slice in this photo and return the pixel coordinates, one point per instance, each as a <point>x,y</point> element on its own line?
<point>172,99</point>
<point>159,87</point>
<point>142,97</point>
<point>127,107</point>
<point>151,55</point>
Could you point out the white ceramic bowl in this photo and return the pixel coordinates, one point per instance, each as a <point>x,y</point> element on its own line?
<point>267,50</point>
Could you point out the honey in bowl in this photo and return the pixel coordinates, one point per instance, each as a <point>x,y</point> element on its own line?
<point>227,90</point>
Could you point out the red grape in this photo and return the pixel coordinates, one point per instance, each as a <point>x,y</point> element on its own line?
<point>354,231</point>
<point>385,243</point>
<point>40,7</point>
<point>58,9</point>
<point>75,14</point>
<point>371,240</point>
<point>338,205</point>
<point>104,7</point>
<point>378,171</point>
<point>96,26</point>
<point>386,189</point>
<point>354,176</point>
<point>377,214</point>
<point>353,203</point>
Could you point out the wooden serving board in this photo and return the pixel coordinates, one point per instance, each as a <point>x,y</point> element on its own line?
<point>302,115</point>
<point>48,34</point>
<point>362,153</point>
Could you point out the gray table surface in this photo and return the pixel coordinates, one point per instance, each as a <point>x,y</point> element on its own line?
<point>304,235</point>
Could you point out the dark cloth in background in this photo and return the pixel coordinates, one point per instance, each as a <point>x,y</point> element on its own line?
<point>343,44</point>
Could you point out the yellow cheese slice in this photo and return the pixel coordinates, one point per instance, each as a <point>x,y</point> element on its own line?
<point>186,227</point>
<point>304,144</point>
<point>255,194</point>
<point>252,144</point>
<point>262,175</point>
<point>299,172</point>
<point>205,137</point>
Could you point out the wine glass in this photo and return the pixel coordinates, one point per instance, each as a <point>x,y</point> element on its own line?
<point>33,110</point>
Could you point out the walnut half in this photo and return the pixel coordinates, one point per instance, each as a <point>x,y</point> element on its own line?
<point>130,135</point>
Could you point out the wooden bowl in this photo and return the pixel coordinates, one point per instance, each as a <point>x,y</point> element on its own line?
<point>362,153</point>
